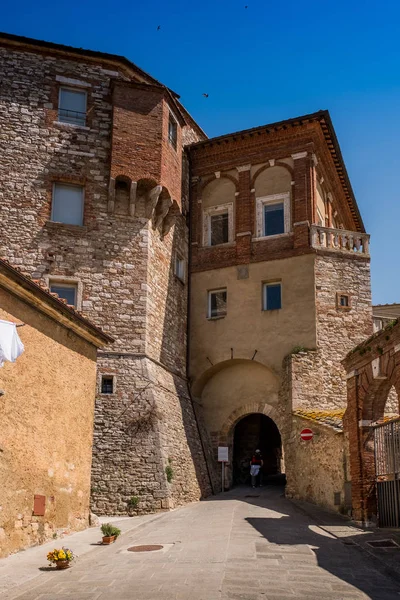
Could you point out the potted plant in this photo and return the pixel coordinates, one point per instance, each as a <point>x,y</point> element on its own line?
<point>110,533</point>
<point>61,557</point>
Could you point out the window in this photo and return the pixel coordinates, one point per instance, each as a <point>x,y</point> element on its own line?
<point>66,291</point>
<point>217,303</point>
<point>273,215</point>
<point>343,301</point>
<point>107,384</point>
<point>180,268</point>
<point>272,296</point>
<point>219,229</point>
<point>172,132</point>
<point>67,204</point>
<point>218,225</point>
<point>72,106</point>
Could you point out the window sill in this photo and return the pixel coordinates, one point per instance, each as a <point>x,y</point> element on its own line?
<point>270,310</point>
<point>271,237</point>
<point>61,125</point>
<point>216,318</point>
<point>224,245</point>
<point>55,225</point>
<point>181,281</point>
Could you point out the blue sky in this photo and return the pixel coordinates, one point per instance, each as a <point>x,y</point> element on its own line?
<point>260,64</point>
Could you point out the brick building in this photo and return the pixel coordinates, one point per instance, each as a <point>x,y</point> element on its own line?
<point>102,166</point>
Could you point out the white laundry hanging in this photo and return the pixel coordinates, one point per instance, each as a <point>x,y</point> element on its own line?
<point>10,344</point>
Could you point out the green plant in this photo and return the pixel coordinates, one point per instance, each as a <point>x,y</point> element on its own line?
<point>109,530</point>
<point>133,502</point>
<point>169,473</point>
<point>54,536</point>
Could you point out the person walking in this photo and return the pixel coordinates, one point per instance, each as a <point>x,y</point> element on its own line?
<point>256,464</point>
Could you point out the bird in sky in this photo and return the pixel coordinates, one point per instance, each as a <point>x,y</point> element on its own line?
<point>246,7</point>
<point>205,95</point>
<point>158,28</point>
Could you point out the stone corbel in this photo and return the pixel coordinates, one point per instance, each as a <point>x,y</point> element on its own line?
<point>111,196</point>
<point>161,211</point>
<point>170,219</point>
<point>132,198</point>
<point>151,200</point>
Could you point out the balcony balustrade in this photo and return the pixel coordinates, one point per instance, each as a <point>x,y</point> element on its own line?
<point>340,240</point>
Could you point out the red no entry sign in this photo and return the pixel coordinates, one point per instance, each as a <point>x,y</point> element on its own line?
<point>306,434</point>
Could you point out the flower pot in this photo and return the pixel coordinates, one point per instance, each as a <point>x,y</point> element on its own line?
<point>62,564</point>
<point>109,539</point>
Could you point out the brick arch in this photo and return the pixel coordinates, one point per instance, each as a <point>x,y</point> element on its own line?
<point>372,368</point>
<point>226,431</point>
<point>213,177</point>
<point>278,163</point>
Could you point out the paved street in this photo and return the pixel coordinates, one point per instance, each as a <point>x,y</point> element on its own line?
<point>246,544</point>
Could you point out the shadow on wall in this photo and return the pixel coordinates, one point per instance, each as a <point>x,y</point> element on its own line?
<point>173,355</point>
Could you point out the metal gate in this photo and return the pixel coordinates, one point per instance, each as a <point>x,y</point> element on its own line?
<point>387,469</point>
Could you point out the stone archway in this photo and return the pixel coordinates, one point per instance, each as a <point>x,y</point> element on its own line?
<point>373,369</point>
<point>227,432</point>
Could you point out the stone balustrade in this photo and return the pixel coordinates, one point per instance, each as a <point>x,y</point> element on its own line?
<point>339,240</point>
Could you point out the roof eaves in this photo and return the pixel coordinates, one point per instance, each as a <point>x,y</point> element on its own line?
<point>27,282</point>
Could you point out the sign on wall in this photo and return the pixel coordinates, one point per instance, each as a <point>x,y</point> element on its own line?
<point>306,434</point>
<point>223,455</point>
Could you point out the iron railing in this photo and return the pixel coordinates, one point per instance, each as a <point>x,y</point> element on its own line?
<point>387,469</point>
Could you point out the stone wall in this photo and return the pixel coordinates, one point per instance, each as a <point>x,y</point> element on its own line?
<point>318,376</point>
<point>123,265</point>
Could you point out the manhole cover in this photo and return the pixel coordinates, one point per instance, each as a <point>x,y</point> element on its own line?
<point>383,544</point>
<point>145,548</point>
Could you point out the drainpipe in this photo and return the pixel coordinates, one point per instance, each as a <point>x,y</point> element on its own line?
<point>359,446</point>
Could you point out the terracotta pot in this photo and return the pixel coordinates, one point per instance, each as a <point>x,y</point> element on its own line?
<point>109,540</point>
<point>62,564</point>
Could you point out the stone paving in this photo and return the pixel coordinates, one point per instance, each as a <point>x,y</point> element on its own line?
<point>245,544</point>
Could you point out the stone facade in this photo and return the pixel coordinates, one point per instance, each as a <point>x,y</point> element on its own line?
<point>275,362</point>
<point>148,172</point>
<point>122,256</point>
<point>46,412</point>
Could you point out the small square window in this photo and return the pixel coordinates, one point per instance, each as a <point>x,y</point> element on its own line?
<point>172,132</point>
<point>343,301</point>
<point>180,268</point>
<point>66,291</point>
<point>272,297</point>
<point>219,229</point>
<point>274,219</point>
<point>72,106</point>
<point>217,301</point>
<point>67,206</point>
<point>107,384</point>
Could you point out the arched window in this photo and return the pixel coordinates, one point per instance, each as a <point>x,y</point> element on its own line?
<point>272,190</point>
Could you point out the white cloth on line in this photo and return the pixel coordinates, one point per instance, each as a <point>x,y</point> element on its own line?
<point>10,344</point>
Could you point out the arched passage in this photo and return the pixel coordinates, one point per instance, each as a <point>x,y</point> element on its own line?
<point>256,431</point>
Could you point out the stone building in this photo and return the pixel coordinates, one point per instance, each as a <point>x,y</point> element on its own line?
<point>280,291</point>
<point>94,203</point>
<point>46,412</point>
<point>383,314</point>
<point>102,166</point>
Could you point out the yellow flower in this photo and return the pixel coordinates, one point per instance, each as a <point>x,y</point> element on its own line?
<point>62,555</point>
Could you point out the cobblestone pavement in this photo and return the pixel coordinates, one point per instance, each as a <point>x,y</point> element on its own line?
<point>245,544</point>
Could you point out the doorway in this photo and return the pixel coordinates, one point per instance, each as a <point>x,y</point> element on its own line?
<point>256,431</point>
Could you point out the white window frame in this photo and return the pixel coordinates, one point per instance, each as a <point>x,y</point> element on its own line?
<point>53,197</point>
<point>209,294</point>
<point>264,294</point>
<point>66,281</point>
<point>179,259</point>
<point>260,215</point>
<point>213,211</point>
<point>71,89</point>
